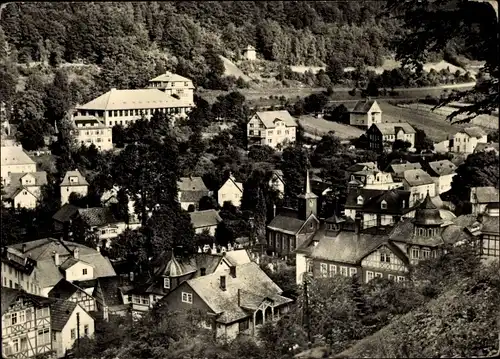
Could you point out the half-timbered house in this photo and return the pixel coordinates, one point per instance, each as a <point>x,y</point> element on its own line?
<point>26,324</point>
<point>65,290</point>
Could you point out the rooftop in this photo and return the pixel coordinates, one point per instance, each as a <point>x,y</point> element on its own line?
<point>362,166</point>
<point>417,177</point>
<point>81,180</point>
<point>251,284</point>
<point>397,200</point>
<point>474,131</point>
<point>400,168</point>
<point>9,295</point>
<point>391,128</point>
<point>269,118</point>
<point>14,155</point>
<point>486,194</point>
<point>442,168</point>
<point>134,99</point>
<point>192,189</point>
<point>363,106</point>
<point>209,217</point>
<point>60,312</point>
<point>97,216</point>
<point>171,77</point>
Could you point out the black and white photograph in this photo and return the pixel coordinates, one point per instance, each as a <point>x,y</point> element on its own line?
<point>250,179</point>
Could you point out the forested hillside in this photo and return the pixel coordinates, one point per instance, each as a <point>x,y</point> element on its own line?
<point>291,32</point>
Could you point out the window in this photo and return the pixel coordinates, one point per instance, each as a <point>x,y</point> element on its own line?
<point>390,276</point>
<point>415,253</point>
<point>84,271</point>
<point>287,132</point>
<point>401,278</point>
<point>187,298</point>
<point>136,299</point>
<point>369,276</point>
<point>251,133</point>
<point>360,200</point>
<point>44,336</point>
<point>353,271</point>
<point>385,257</point>
<point>129,299</point>
<point>426,253</point>
<point>166,283</point>
<point>270,140</point>
<point>243,325</point>
<point>279,132</point>
<point>145,301</point>
<point>343,271</point>
<point>333,270</point>
<point>378,275</point>
<point>22,316</point>
<point>15,345</point>
<point>86,330</point>
<point>29,315</point>
<point>383,205</point>
<point>73,333</point>
<point>270,132</point>
<point>324,270</point>
<point>13,318</point>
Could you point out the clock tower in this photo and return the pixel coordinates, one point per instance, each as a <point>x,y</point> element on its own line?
<point>308,201</point>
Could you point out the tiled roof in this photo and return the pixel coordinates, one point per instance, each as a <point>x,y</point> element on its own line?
<point>81,180</point>
<point>64,290</point>
<point>474,131</point>
<point>134,99</point>
<point>417,177</point>
<point>42,250</point>
<point>268,118</point>
<point>97,216</point>
<point>391,128</point>
<point>363,106</point>
<point>209,217</point>
<point>66,213</point>
<point>442,168</point>
<point>404,232</point>
<point>192,189</point>
<point>40,178</point>
<point>170,77</point>
<point>92,120</point>
<point>487,194</point>
<point>12,191</point>
<point>9,295</point>
<point>70,262</point>
<point>60,312</point>
<point>14,155</point>
<point>400,168</point>
<point>237,257</point>
<point>287,223</point>
<point>372,198</point>
<point>362,166</point>
<point>345,247</point>
<point>254,283</point>
<point>110,290</point>
<point>490,224</point>
<point>238,185</point>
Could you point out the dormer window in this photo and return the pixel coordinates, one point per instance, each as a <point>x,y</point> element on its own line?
<point>383,204</point>
<point>360,200</point>
<point>166,283</point>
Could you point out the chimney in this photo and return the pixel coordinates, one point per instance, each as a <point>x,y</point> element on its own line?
<point>232,271</point>
<point>223,282</point>
<point>239,297</point>
<point>357,224</point>
<point>56,258</point>
<point>203,271</point>
<point>274,210</point>
<point>76,253</point>
<point>24,247</point>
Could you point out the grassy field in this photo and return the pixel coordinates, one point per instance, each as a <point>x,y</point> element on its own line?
<point>319,127</point>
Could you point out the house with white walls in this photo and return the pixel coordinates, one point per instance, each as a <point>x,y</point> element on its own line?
<point>231,191</point>
<point>73,182</point>
<point>365,113</point>
<point>419,183</point>
<point>467,139</point>
<point>442,172</point>
<point>23,190</point>
<point>69,322</point>
<point>13,159</point>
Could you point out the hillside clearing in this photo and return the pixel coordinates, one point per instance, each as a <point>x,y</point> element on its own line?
<point>320,127</point>
<point>232,70</point>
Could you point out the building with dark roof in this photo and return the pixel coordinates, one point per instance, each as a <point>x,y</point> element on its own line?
<point>69,322</point>
<point>339,248</point>
<point>206,220</point>
<point>379,209</point>
<point>398,169</point>
<point>365,114</point>
<point>26,324</point>
<point>419,183</point>
<point>382,135</point>
<point>237,300</point>
<point>109,296</point>
<point>290,228</point>
<point>191,190</point>
<point>70,291</point>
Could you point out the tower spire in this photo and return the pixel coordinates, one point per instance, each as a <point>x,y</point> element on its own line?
<point>308,183</point>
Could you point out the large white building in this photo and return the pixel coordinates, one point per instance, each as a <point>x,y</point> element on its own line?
<point>123,107</point>
<point>271,128</point>
<point>90,130</point>
<point>365,113</point>
<point>466,140</point>
<point>14,160</point>
<point>173,84</point>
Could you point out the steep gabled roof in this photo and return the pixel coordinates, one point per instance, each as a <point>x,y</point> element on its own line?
<point>392,128</point>
<point>66,213</point>
<point>97,216</point>
<point>239,185</point>
<point>287,222</point>
<point>417,177</point>
<point>170,77</point>
<point>60,312</point>
<point>363,106</point>
<point>9,295</point>
<point>40,178</point>
<point>110,290</point>
<point>14,155</point>
<point>192,189</point>
<point>269,118</point>
<point>372,200</point>
<point>64,290</point>
<point>362,166</point>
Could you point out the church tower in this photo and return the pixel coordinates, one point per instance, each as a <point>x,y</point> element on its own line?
<point>308,201</point>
